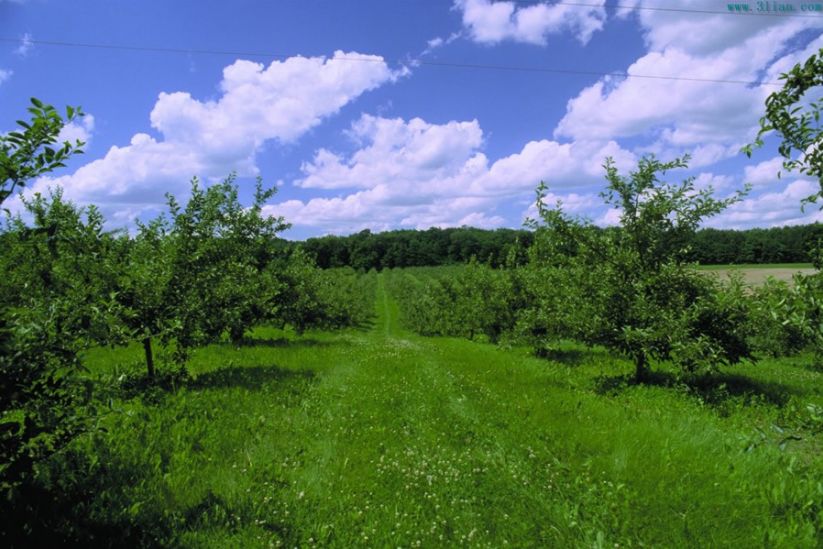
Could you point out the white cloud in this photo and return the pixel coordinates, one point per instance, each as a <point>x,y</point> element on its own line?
<point>610,218</point>
<point>280,102</point>
<point>710,119</point>
<point>772,209</point>
<point>699,32</point>
<point>398,152</point>
<point>78,130</point>
<point>4,75</point>
<point>706,155</point>
<point>258,104</point>
<point>25,45</point>
<point>418,174</point>
<point>492,22</point>
<point>720,183</point>
<point>765,172</point>
<point>571,203</point>
<point>437,43</point>
<point>478,219</point>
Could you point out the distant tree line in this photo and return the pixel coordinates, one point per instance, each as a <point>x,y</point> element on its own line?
<point>410,248</point>
<point>775,245</point>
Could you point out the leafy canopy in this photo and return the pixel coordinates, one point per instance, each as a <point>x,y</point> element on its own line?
<point>631,287</point>
<point>794,113</point>
<point>32,150</point>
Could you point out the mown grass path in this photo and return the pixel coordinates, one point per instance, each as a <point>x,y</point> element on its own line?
<point>383,438</point>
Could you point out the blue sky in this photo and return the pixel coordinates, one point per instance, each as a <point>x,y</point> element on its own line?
<point>360,114</point>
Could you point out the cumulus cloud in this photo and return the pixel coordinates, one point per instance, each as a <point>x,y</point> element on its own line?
<point>4,75</point>
<point>257,104</point>
<point>491,22</point>
<point>723,184</point>
<point>398,151</point>
<point>696,29</point>
<point>773,208</point>
<point>419,174</point>
<point>78,130</point>
<point>572,203</point>
<point>765,172</point>
<point>708,118</point>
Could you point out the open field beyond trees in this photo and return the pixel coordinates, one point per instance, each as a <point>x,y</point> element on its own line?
<point>756,275</point>
<point>377,437</point>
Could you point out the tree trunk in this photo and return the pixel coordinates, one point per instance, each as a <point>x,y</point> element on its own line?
<point>641,372</point>
<point>149,356</point>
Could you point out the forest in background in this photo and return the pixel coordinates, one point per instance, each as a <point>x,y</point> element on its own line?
<point>413,248</point>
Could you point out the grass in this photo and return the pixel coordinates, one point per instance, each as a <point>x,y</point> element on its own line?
<point>384,438</point>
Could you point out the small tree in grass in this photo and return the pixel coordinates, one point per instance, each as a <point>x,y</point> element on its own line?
<point>637,294</point>
<point>200,272</point>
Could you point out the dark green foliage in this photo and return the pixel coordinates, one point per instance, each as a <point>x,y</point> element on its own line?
<point>407,248</point>
<point>476,301</point>
<point>432,247</point>
<point>631,289</point>
<point>204,270</point>
<point>47,310</point>
<point>63,256</point>
<point>311,298</point>
<point>795,244</point>
<point>805,312</point>
<point>771,331</point>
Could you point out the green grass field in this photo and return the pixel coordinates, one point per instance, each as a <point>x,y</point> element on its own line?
<point>382,438</point>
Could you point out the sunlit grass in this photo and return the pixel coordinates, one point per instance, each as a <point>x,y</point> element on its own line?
<point>384,438</point>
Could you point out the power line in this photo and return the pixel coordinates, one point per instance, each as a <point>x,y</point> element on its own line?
<point>364,59</point>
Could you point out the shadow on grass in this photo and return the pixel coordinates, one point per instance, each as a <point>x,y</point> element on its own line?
<point>50,517</point>
<point>718,390</point>
<point>154,390</point>
<point>280,342</point>
<point>84,497</point>
<point>248,377</point>
<point>91,506</point>
<point>366,325</point>
<point>571,356</point>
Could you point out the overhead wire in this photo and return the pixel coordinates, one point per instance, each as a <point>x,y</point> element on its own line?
<point>379,59</point>
<point>463,65</point>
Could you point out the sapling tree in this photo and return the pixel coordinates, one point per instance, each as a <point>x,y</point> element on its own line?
<point>200,271</point>
<point>643,298</point>
<point>562,278</point>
